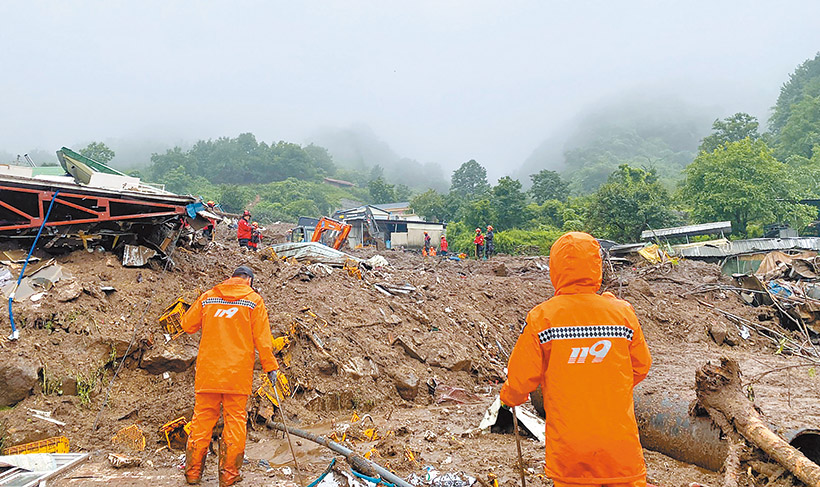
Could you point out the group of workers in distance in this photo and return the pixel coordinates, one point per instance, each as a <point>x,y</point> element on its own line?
<point>586,350</point>
<point>249,234</point>
<point>484,243</point>
<point>430,249</point>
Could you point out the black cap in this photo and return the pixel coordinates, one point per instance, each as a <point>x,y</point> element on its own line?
<point>243,271</point>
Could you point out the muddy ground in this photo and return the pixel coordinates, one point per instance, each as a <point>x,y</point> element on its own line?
<point>355,350</point>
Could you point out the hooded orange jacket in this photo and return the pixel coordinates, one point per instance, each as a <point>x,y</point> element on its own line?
<point>587,351</point>
<point>234,322</point>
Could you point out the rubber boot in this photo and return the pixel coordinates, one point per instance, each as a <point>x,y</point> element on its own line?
<point>230,460</point>
<point>194,464</point>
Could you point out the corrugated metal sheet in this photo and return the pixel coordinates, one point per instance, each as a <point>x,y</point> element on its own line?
<point>723,248</point>
<point>688,230</point>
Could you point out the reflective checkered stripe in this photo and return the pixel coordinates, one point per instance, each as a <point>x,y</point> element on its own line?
<point>594,331</point>
<point>239,302</point>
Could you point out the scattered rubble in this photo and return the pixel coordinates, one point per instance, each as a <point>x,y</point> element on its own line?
<point>423,354</point>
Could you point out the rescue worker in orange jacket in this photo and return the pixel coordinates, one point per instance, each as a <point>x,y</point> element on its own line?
<point>234,322</point>
<point>587,351</point>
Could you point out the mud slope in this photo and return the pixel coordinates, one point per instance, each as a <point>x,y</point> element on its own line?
<point>353,349</point>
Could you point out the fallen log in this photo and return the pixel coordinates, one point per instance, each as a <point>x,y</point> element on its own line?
<point>719,388</point>
<point>731,466</point>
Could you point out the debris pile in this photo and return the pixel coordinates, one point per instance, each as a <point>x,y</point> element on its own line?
<point>416,347</point>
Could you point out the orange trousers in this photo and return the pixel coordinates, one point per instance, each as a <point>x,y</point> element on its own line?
<point>232,443</point>
<point>635,483</point>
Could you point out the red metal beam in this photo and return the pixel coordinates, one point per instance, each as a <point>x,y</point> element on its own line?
<point>78,207</point>
<point>44,197</point>
<point>15,210</point>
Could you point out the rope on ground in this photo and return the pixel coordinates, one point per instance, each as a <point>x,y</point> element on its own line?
<point>15,334</point>
<point>324,474</point>
<point>374,480</point>
<point>137,327</point>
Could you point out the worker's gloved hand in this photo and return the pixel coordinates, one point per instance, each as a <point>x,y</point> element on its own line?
<point>273,375</point>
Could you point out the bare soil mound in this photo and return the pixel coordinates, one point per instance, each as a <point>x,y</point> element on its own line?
<point>423,364</point>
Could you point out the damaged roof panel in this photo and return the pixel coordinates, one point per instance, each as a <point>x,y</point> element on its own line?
<point>688,230</point>
<point>726,248</point>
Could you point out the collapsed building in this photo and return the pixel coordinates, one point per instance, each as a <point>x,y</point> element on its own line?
<point>89,203</point>
<point>394,224</point>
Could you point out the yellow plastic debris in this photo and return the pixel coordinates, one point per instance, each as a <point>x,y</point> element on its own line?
<point>175,431</point>
<point>266,389</point>
<point>130,437</point>
<point>57,444</point>
<point>171,319</point>
<point>651,253</point>
<point>370,433</point>
<point>410,455</point>
<point>352,268</point>
<point>280,343</point>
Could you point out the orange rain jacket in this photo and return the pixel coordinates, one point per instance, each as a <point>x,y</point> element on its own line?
<point>587,351</point>
<point>234,322</point>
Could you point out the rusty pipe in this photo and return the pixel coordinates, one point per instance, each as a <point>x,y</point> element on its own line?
<point>356,461</point>
<point>666,426</point>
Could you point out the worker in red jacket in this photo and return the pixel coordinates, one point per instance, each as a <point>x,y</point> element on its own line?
<point>256,237</point>
<point>587,352</point>
<point>244,231</point>
<point>444,245</point>
<point>479,244</point>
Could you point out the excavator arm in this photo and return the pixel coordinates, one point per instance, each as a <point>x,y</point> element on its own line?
<point>328,224</point>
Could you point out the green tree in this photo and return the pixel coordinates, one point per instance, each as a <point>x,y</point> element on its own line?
<point>632,200</point>
<point>549,213</point>
<point>803,82</point>
<point>478,214</point>
<point>509,204</point>
<point>244,160</point>
<point>731,129</point>
<point>806,174</point>
<point>233,198</point>
<point>321,158</point>
<point>162,164</point>
<point>177,181</point>
<point>402,193</point>
<point>430,205</point>
<point>381,192</point>
<point>300,207</point>
<point>744,183</point>
<point>99,152</point>
<point>801,133</point>
<point>548,185</point>
<point>470,180</point>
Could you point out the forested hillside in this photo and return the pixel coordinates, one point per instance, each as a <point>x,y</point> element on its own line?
<point>626,167</point>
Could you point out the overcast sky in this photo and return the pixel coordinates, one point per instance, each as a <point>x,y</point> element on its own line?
<point>439,81</point>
